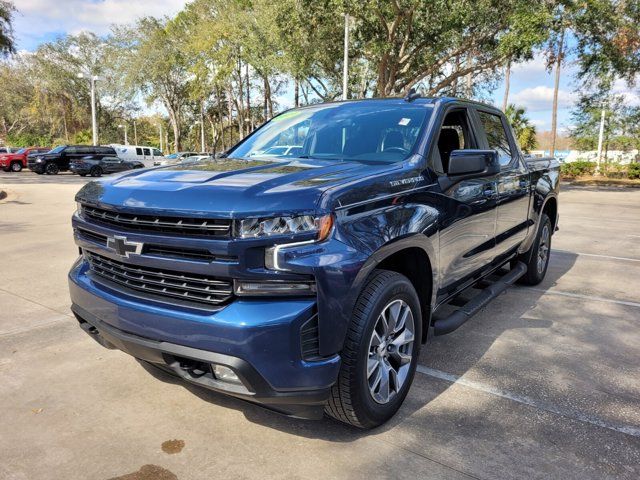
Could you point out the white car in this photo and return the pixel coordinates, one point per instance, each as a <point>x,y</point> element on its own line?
<point>145,154</point>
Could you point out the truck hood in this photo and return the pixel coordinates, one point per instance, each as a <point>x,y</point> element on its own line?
<point>228,187</point>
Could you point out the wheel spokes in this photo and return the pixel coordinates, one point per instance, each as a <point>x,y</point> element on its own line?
<point>390,351</point>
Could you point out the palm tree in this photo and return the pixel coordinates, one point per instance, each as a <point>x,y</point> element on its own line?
<point>525,132</point>
<point>6,30</point>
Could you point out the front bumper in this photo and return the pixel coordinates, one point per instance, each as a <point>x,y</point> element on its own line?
<point>258,339</point>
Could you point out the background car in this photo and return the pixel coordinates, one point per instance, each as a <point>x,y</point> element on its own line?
<point>16,161</point>
<point>58,159</point>
<point>96,165</point>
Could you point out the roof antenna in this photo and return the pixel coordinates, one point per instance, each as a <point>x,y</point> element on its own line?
<point>412,95</point>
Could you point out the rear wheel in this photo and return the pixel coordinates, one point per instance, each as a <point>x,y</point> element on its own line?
<point>16,167</point>
<point>95,171</point>
<point>380,352</point>
<point>537,258</point>
<point>51,169</point>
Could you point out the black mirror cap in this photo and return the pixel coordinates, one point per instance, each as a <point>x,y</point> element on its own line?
<point>473,162</point>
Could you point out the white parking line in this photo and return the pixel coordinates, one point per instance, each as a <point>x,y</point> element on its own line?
<point>610,257</point>
<point>540,405</point>
<point>583,297</point>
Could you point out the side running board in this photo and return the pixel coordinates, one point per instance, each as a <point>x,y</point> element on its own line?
<point>477,303</point>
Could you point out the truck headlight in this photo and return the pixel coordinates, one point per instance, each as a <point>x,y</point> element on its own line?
<point>38,160</point>
<point>79,208</point>
<point>265,227</point>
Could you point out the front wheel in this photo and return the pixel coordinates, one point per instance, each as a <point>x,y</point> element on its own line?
<point>95,171</point>
<point>537,258</point>
<point>16,167</point>
<point>380,353</point>
<point>51,169</point>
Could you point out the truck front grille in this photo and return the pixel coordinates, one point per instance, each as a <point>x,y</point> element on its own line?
<point>181,253</point>
<point>160,224</point>
<point>186,287</point>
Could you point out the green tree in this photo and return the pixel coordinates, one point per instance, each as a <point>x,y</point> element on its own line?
<point>524,131</point>
<point>7,45</point>
<point>621,126</point>
<point>155,61</point>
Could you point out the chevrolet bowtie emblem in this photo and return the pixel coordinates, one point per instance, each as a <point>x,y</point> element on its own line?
<point>124,247</point>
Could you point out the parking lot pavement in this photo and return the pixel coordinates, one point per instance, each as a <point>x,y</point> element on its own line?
<point>545,383</point>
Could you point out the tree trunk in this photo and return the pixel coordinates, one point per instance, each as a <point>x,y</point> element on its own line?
<point>268,103</point>
<point>469,92</point>
<point>176,133</point>
<point>556,87</point>
<point>296,93</point>
<point>230,107</point>
<point>507,80</point>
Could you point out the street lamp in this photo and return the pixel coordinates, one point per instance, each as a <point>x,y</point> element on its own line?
<point>94,122</point>
<point>126,142</point>
<point>345,65</point>
<point>160,129</point>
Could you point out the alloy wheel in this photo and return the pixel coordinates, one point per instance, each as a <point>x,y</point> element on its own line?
<point>543,249</point>
<point>390,351</point>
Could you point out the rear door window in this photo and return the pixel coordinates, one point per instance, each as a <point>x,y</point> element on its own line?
<point>496,136</point>
<point>147,151</point>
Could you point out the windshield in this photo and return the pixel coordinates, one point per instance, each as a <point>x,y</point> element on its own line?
<point>57,149</point>
<point>361,131</point>
<point>173,155</point>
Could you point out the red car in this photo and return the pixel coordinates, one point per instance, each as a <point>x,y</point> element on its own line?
<point>14,162</point>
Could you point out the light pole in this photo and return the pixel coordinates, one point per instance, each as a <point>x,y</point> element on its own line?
<point>600,139</point>
<point>94,122</point>
<point>126,142</point>
<point>345,67</point>
<point>160,130</point>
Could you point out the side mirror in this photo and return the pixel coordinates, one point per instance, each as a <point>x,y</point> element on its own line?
<point>473,163</point>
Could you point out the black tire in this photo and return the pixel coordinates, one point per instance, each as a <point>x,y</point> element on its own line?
<point>95,171</point>
<point>352,400</point>
<point>537,258</point>
<point>16,167</point>
<point>51,169</point>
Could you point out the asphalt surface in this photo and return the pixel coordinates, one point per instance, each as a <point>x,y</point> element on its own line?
<point>545,383</point>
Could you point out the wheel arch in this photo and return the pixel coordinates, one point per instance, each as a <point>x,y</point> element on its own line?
<point>550,207</point>
<point>413,257</point>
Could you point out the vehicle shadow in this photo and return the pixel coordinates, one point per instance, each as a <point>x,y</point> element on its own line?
<point>455,354</point>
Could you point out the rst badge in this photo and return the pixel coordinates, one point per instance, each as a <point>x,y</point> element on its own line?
<point>124,247</point>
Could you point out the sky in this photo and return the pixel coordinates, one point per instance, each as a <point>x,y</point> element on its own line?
<point>39,21</point>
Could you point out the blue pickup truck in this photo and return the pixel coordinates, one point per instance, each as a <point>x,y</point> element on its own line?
<point>307,278</point>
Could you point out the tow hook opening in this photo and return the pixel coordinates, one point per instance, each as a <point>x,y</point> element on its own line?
<point>194,368</point>
<point>206,373</point>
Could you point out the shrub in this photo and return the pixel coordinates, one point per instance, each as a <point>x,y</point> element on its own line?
<point>633,170</point>
<point>614,170</point>
<point>577,169</point>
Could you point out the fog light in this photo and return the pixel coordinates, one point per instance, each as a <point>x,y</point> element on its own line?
<point>225,374</point>
<point>274,288</point>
